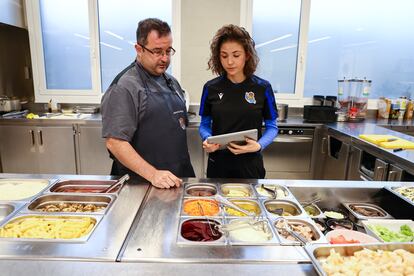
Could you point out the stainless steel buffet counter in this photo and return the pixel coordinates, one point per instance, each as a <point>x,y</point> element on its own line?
<point>162,214</point>
<point>138,235</point>
<point>106,240</point>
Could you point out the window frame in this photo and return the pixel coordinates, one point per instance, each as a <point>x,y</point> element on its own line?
<point>93,95</point>
<point>42,93</point>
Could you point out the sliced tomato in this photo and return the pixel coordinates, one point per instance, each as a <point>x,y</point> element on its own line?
<point>342,240</point>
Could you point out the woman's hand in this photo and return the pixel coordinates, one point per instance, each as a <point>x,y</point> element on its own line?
<point>210,147</point>
<point>250,146</point>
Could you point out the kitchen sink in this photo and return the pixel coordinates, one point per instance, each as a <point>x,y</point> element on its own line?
<point>64,116</point>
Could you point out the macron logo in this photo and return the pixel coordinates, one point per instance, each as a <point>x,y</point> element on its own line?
<point>220,95</point>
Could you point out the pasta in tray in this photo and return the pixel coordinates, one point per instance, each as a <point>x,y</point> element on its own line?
<point>369,262</point>
<point>48,227</point>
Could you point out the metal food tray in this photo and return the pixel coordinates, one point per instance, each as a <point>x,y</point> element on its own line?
<point>83,239</point>
<point>310,222</point>
<point>190,185</point>
<point>51,182</point>
<point>228,185</point>
<point>183,214</point>
<point>294,202</point>
<point>8,209</point>
<point>393,190</point>
<point>182,241</point>
<point>103,184</point>
<point>321,214</point>
<point>286,190</point>
<point>356,217</point>
<point>315,251</point>
<point>249,200</point>
<point>273,241</point>
<point>391,224</point>
<point>97,199</point>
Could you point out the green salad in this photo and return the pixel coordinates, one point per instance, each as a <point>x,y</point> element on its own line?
<point>405,234</point>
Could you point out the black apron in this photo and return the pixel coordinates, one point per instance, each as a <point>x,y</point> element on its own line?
<point>160,137</point>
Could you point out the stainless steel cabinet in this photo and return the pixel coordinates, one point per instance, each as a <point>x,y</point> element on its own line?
<point>38,149</point>
<point>290,154</point>
<point>354,163</point>
<point>337,156</point>
<point>366,166</point>
<point>92,152</point>
<point>18,149</point>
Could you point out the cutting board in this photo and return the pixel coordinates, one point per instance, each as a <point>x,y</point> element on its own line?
<point>387,141</point>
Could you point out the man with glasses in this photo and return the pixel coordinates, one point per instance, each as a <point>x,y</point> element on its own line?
<point>144,115</point>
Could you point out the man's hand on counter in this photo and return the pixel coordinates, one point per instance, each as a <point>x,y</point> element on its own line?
<point>165,179</point>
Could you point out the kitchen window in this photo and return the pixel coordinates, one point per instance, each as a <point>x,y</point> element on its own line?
<point>278,46</point>
<point>117,37</point>
<point>75,56</point>
<point>279,28</point>
<point>66,57</point>
<point>306,46</point>
<point>357,39</point>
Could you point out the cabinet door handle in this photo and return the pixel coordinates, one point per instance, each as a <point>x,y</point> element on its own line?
<point>41,137</point>
<point>284,139</point>
<point>33,138</point>
<point>323,145</point>
<point>380,175</point>
<point>364,178</point>
<point>392,176</point>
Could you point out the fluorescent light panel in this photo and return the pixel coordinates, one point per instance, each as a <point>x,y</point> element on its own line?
<point>283,48</point>
<point>82,36</point>
<point>273,40</point>
<point>114,35</point>
<point>319,39</point>
<point>110,46</point>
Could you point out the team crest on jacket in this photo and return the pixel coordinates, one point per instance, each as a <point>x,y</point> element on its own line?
<point>249,96</point>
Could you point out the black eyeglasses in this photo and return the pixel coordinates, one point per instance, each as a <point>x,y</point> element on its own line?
<point>159,52</point>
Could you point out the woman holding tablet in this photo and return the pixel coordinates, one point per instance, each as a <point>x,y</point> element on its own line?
<point>236,100</point>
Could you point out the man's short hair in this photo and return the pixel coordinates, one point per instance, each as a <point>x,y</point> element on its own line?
<point>147,25</point>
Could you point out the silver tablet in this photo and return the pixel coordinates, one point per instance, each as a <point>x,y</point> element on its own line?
<point>238,137</point>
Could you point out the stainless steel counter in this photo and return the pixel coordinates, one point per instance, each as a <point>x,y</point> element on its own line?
<point>355,129</point>
<point>161,215</point>
<point>70,268</point>
<point>369,126</point>
<point>150,248</point>
<point>93,119</point>
<point>105,242</point>
<point>194,121</point>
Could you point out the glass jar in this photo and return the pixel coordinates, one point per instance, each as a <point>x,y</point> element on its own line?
<point>360,90</point>
<point>343,99</point>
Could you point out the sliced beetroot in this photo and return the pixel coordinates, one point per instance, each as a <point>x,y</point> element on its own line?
<point>200,230</point>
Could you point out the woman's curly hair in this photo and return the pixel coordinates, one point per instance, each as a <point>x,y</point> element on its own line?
<point>237,34</point>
